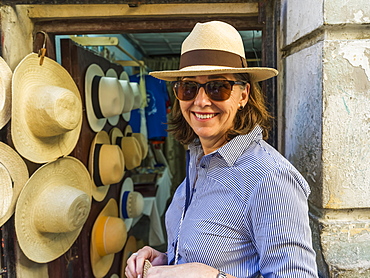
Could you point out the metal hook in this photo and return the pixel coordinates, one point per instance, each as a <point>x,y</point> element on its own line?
<point>42,51</point>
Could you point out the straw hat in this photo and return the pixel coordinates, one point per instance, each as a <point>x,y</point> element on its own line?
<point>131,203</point>
<point>112,73</point>
<point>103,96</point>
<point>106,165</point>
<point>130,147</point>
<point>143,142</point>
<point>129,95</point>
<point>46,110</point>
<point>108,237</point>
<point>13,176</point>
<point>5,92</point>
<point>214,47</point>
<point>137,95</point>
<point>128,250</point>
<point>52,209</point>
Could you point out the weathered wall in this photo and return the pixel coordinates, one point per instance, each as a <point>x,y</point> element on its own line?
<point>325,46</point>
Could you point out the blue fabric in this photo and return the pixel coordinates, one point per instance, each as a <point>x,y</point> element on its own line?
<point>248,213</point>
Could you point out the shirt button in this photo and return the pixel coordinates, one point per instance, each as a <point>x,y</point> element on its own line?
<point>203,166</point>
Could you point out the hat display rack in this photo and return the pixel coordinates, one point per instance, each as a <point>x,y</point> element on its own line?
<point>55,153</point>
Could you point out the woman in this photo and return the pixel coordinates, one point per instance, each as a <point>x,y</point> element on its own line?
<point>242,209</point>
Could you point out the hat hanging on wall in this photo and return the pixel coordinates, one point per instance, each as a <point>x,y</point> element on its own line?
<point>137,95</point>
<point>128,250</point>
<point>129,95</point>
<point>5,92</point>
<point>106,164</point>
<point>143,142</point>
<point>46,110</point>
<point>108,237</point>
<point>131,203</point>
<point>130,148</point>
<point>52,209</point>
<point>13,176</point>
<point>114,120</point>
<point>103,96</point>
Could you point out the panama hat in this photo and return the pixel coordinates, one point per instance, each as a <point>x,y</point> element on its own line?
<point>52,208</point>
<point>143,142</point>
<point>114,120</point>
<point>128,250</point>
<point>214,47</point>
<point>137,95</point>
<point>5,92</point>
<point>108,237</point>
<point>131,203</point>
<point>46,110</point>
<point>130,147</point>
<point>106,164</point>
<point>103,97</point>
<point>13,176</point>
<point>129,95</point>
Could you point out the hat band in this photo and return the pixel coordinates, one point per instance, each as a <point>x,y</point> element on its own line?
<point>124,204</point>
<point>96,175</point>
<point>119,141</point>
<point>95,97</point>
<point>212,57</point>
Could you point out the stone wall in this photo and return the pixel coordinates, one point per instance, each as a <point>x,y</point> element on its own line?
<point>325,99</point>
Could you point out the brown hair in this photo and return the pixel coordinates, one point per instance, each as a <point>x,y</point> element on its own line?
<point>254,113</point>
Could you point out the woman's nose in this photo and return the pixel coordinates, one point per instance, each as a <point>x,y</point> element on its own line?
<point>202,98</point>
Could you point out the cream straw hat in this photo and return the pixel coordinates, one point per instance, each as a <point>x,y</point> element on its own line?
<point>5,92</point>
<point>128,250</point>
<point>46,110</point>
<point>131,203</point>
<point>114,120</point>
<point>143,142</point>
<point>137,95</point>
<point>108,237</point>
<point>103,97</point>
<point>13,176</point>
<point>129,96</point>
<point>52,209</point>
<point>214,47</point>
<point>106,165</point>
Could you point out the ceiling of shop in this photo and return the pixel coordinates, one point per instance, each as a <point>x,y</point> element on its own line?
<point>159,44</point>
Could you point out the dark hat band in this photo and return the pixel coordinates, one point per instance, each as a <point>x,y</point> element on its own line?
<point>96,174</point>
<point>212,57</point>
<point>95,97</point>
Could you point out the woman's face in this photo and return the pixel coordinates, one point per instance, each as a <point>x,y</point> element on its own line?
<point>210,119</point>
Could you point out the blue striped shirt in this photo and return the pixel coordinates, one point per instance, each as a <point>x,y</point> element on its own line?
<point>248,214</point>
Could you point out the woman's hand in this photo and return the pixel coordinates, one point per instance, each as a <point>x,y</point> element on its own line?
<point>189,270</point>
<point>135,262</point>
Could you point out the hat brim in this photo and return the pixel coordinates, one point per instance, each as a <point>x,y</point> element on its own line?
<point>5,92</point>
<point>98,192</point>
<point>27,76</point>
<point>45,247</point>
<point>256,74</point>
<point>128,185</point>
<point>129,249</point>
<point>95,123</point>
<point>18,173</point>
<point>101,265</point>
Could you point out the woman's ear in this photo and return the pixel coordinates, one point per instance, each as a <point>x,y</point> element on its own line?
<point>245,94</point>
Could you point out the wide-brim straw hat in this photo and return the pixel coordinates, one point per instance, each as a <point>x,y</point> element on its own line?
<point>46,110</point>
<point>103,97</point>
<point>131,204</point>
<point>5,92</point>
<point>128,250</point>
<point>108,236</point>
<point>52,208</point>
<point>130,148</point>
<point>211,48</point>
<point>13,176</point>
<point>129,96</point>
<point>106,164</point>
<point>115,119</point>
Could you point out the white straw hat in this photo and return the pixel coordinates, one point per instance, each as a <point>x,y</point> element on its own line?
<point>129,96</point>
<point>103,97</point>
<point>131,203</point>
<point>5,92</point>
<point>214,47</point>
<point>46,110</point>
<point>114,120</point>
<point>106,164</point>
<point>52,209</point>
<point>137,95</point>
<point>13,176</point>
<point>108,236</point>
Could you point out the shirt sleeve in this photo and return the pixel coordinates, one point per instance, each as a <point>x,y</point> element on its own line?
<point>278,223</point>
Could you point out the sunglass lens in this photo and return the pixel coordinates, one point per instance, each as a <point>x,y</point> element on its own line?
<point>218,90</point>
<point>185,90</point>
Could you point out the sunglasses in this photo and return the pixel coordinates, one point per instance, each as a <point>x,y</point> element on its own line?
<point>218,90</point>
